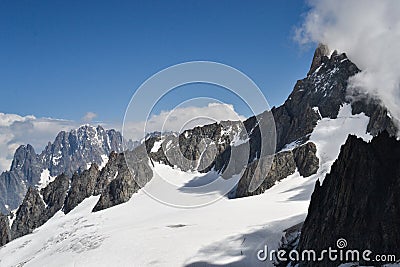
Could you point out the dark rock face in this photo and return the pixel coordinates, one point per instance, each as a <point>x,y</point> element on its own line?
<point>109,172</point>
<point>306,160</point>
<point>320,53</point>
<point>117,192</point>
<point>380,119</point>
<point>54,195</point>
<point>82,186</point>
<point>125,182</point>
<point>5,232</point>
<point>29,215</point>
<point>226,146</point>
<point>70,152</point>
<point>25,170</point>
<point>197,148</point>
<point>37,209</point>
<point>289,242</point>
<point>27,162</point>
<point>321,93</point>
<point>284,164</point>
<point>358,201</point>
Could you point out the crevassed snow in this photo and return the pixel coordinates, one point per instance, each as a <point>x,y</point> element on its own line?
<point>145,232</point>
<point>45,179</point>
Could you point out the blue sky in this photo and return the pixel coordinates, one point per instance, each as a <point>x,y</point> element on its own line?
<point>62,59</point>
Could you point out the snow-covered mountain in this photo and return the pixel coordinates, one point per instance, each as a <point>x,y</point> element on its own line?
<point>71,151</point>
<point>106,217</point>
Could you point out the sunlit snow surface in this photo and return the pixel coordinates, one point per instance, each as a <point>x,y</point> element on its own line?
<point>45,179</point>
<point>145,232</point>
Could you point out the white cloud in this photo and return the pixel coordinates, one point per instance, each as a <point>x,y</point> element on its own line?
<point>181,118</point>
<point>89,116</point>
<point>369,32</point>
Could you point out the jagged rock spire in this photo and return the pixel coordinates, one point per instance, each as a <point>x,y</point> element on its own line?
<point>321,52</point>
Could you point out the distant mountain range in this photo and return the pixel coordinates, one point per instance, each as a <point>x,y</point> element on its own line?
<point>70,152</point>
<point>88,162</point>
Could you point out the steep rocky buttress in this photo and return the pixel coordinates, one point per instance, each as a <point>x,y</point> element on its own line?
<point>359,200</point>
<point>5,231</point>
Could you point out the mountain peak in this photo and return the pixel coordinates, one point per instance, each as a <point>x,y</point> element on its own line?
<point>321,52</point>
<point>22,154</point>
<point>70,151</point>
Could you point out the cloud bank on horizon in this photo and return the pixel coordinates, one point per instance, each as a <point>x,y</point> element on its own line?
<point>368,31</point>
<point>16,130</point>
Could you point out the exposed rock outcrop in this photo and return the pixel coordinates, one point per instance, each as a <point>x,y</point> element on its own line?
<point>259,173</point>
<point>320,55</point>
<point>197,148</point>
<point>289,242</point>
<point>109,172</point>
<point>284,164</point>
<point>321,93</point>
<point>82,186</point>
<point>5,232</point>
<point>380,119</point>
<point>25,170</point>
<point>29,215</point>
<point>54,195</point>
<point>306,160</point>
<point>126,181</point>
<point>37,208</point>
<point>358,201</point>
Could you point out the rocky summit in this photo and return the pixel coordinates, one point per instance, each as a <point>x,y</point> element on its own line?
<point>70,152</point>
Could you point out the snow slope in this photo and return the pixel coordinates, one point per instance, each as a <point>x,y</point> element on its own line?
<point>45,179</point>
<point>145,232</point>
